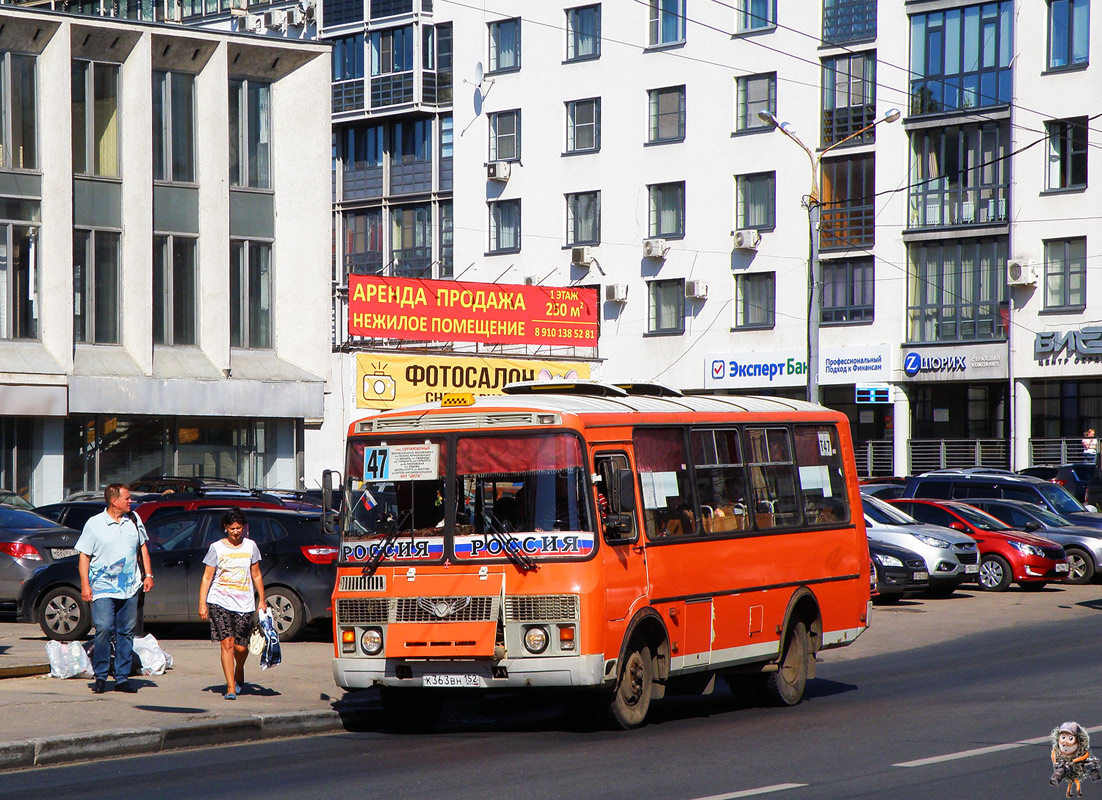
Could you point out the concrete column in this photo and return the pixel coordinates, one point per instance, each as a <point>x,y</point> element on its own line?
<point>901,431</point>
<point>1022,404</point>
<point>49,473</point>
<point>213,173</point>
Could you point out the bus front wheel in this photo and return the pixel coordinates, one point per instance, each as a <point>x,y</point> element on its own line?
<point>631,701</point>
<point>786,686</point>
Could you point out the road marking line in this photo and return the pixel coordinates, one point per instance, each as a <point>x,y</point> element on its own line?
<point>780,787</point>
<point>980,751</point>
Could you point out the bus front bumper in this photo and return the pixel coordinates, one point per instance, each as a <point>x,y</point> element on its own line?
<point>361,673</point>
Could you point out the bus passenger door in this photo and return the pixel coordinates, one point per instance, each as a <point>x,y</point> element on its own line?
<point>625,566</point>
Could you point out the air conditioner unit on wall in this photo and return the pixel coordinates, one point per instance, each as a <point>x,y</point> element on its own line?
<point>295,17</point>
<point>498,171</point>
<point>581,256</point>
<point>655,248</point>
<point>616,293</point>
<point>748,239</point>
<point>1019,273</point>
<point>696,290</point>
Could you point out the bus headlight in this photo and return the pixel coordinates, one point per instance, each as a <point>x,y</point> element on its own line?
<point>371,641</point>
<point>535,639</point>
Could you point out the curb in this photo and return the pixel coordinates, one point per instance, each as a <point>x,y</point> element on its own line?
<point>24,670</point>
<point>55,750</point>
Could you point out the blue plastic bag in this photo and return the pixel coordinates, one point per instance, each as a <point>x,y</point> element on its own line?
<point>271,655</point>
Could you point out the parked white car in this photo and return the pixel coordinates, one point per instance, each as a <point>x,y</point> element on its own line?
<point>951,557</point>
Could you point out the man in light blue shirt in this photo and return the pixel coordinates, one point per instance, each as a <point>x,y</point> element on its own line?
<point>111,576</point>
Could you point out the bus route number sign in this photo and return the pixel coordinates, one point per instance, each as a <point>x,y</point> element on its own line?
<point>402,462</point>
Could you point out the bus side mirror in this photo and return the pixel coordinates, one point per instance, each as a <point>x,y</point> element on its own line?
<point>625,490</point>
<point>328,516</point>
<point>617,526</point>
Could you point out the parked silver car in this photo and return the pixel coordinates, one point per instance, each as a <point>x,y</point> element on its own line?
<point>951,557</point>
<point>1083,545</point>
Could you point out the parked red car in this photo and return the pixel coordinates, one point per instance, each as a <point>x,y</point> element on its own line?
<point>1006,555</point>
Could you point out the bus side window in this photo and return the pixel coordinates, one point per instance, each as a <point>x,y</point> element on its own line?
<point>720,480</point>
<point>822,481</point>
<point>663,464</point>
<point>772,477</point>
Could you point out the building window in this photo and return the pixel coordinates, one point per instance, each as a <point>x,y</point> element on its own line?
<point>848,217</point>
<point>411,241</point>
<point>505,226</point>
<point>583,218</point>
<point>960,58</point>
<point>847,291</point>
<point>666,306</point>
<point>955,289</point>
<point>250,134</point>
<point>173,127</point>
<point>755,300</point>
<point>18,282</point>
<point>334,12</point>
<point>756,15</point>
<point>444,64</point>
<point>667,114</point>
<point>391,51</point>
<point>96,287</point>
<point>250,294</point>
<point>756,201</point>
<point>667,210</point>
<point>583,33</point>
<point>505,136</point>
<point>849,98</point>
<point>583,125</point>
<point>960,175</point>
<point>1068,33</point>
<point>1067,153</point>
<point>848,21</point>
<point>1066,273</point>
<point>174,290</point>
<point>95,119</point>
<point>18,112</point>
<point>756,93</point>
<point>447,148</point>
<point>447,241</point>
<point>363,242</point>
<point>348,57</point>
<point>667,22</point>
<point>505,45</point>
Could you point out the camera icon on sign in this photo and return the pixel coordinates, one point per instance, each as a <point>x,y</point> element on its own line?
<point>379,386</point>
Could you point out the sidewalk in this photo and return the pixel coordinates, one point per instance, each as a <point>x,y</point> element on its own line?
<point>47,721</point>
<point>50,721</point>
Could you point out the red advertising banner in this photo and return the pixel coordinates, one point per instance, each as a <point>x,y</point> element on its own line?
<point>489,313</point>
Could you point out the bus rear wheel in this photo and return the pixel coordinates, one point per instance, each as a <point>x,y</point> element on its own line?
<point>786,686</point>
<point>631,700</point>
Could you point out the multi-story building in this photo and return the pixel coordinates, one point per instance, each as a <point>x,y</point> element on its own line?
<point>164,297</point>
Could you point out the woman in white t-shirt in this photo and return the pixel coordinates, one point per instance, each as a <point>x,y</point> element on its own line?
<point>226,596</point>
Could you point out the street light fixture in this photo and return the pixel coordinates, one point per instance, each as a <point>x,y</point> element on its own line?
<point>813,205</point>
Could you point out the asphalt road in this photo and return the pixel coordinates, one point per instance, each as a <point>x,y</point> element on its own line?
<point>962,718</point>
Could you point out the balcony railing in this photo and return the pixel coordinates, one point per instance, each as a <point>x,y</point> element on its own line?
<point>348,95</point>
<point>412,262</point>
<point>369,263</point>
<point>846,227</point>
<point>929,454</point>
<point>847,21</point>
<point>838,123</point>
<point>391,90</point>
<point>959,207</point>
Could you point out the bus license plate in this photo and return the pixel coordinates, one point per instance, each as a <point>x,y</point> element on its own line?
<point>1062,567</point>
<point>970,568</point>
<point>922,576</point>
<point>451,681</point>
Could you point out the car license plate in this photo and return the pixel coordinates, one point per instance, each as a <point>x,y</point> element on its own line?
<point>464,681</point>
<point>62,552</point>
<point>922,576</point>
<point>1062,567</point>
<point>971,568</point>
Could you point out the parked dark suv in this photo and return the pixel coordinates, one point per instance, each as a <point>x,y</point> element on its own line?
<point>298,562</point>
<point>962,484</point>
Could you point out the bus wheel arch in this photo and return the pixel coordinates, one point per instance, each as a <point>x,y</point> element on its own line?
<point>642,669</point>
<point>801,638</point>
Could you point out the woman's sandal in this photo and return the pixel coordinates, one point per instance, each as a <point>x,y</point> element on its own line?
<point>229,696</point>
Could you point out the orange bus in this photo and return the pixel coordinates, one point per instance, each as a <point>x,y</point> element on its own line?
<point>623,539</point>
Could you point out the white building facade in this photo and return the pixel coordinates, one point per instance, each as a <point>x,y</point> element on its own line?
<point>164,253</point>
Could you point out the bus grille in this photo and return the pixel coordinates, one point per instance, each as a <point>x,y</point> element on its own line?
<point>363,583</point>
<point>444,609</point>
<point>362,610</point>
<point>542,608</point>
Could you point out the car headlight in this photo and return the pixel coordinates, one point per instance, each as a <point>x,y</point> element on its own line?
<point>887,561</point>
<point>371,641</point>
<point>1027,549</point>
<point>535,639</point>
<point>932,541</point>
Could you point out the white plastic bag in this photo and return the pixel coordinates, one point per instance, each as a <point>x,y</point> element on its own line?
<point>154,660</point>
<point>68,660</point>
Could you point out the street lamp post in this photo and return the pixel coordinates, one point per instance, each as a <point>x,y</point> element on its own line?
<point>813,205</point>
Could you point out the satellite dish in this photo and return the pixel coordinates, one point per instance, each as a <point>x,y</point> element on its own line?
<point>478,74</point>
